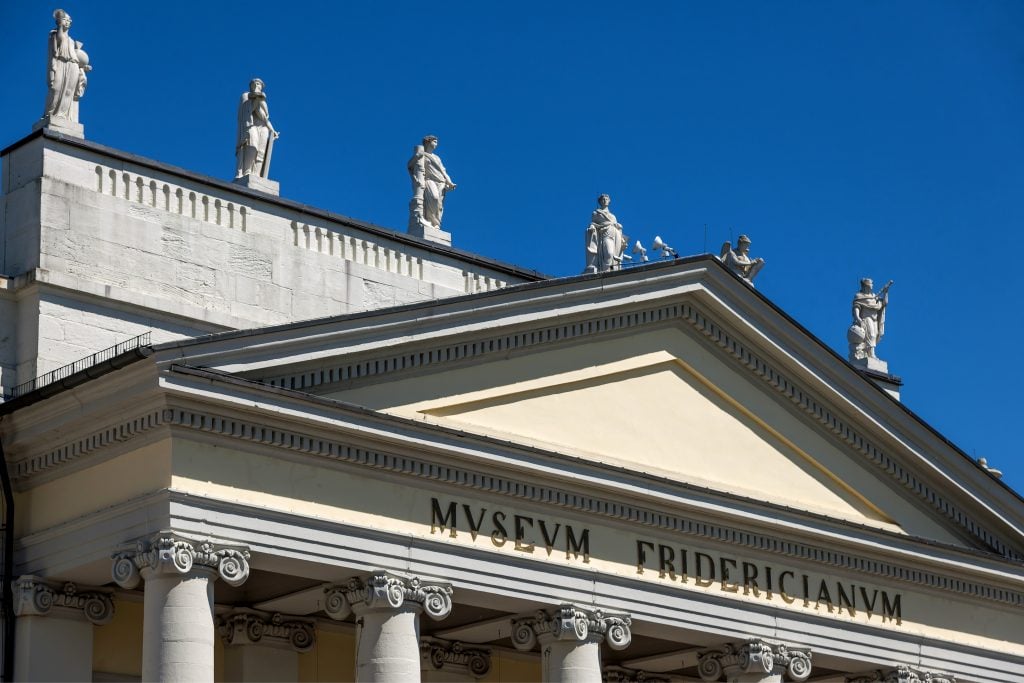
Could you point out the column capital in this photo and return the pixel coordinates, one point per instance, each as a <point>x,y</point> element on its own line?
<point>171,553</point>
<point>901,674</point>
<point>569,622</point>
<point>34,596</point>
<point>384,591</point>
<point>755,657</point>
<point>618,674</point>
<point>251,627</point>
<point>456,657</point>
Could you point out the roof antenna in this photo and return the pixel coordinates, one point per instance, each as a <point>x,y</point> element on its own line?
<point>705,238</point>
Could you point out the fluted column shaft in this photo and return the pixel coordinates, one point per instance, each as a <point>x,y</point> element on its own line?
<point>178,623</point>
<point>387,609</point>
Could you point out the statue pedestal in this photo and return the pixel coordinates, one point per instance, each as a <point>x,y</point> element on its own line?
<point>872,364</point>
<point>429,232</point>
<point>62,126</point>
<point>264,185</point>
<point>878,372</point>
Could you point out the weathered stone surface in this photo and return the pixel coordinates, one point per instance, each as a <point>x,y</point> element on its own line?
<point>146,249</point>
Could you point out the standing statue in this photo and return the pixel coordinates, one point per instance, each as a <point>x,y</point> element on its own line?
<point>430,183</point>
<point>606,243</point>
<point>868,320</point>
<point>738,260</point>
<point>66,69</point>
<point>256,134</point>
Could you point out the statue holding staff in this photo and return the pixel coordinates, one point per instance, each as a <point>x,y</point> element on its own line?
<point>256,134</point>
<point>868,319</point>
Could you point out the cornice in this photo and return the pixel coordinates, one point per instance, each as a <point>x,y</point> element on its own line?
<point>267,432</point>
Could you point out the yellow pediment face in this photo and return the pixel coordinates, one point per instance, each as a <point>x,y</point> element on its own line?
<point>663,403</point>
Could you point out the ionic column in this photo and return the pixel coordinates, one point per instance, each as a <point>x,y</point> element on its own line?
<point>177,627</point>
<point>570,640</point>
<point>53,630</point>
<point>754,661</point>
<point>446,661</point>
<point>263,647</point>
<point>387,609</point>
<point>901,674</point>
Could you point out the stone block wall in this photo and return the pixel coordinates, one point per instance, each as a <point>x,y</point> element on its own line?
<point>98,246</point>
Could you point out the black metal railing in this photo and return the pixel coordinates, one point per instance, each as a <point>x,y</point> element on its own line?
<point>79,365</point>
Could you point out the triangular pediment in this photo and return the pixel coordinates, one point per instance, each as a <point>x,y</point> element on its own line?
<point>660,402</point>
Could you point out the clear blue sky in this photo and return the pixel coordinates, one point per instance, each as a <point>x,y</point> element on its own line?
<point>846,138</point>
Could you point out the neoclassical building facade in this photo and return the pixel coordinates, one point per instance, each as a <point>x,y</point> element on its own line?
<point>319,450</point>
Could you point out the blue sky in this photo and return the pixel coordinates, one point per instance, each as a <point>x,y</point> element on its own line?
<point>846,138</point>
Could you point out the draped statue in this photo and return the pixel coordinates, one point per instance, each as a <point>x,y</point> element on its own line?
<point>66,69</point>
<point>430,184</point>
<point>256,134</point>
<point>605,240</point>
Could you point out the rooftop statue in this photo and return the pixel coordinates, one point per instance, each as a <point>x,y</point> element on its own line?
<point>256,134</point>
<point>605,240</point>
<point>66,69</point>
<point>868,324</point>
<point>430,184</point>
<point>738,260</point>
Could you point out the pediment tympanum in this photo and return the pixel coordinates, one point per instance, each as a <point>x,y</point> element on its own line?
<point>661,402</point>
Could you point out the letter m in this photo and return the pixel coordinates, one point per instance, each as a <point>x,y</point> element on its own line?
<point>439,521</point>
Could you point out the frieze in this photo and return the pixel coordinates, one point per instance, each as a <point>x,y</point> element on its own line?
<point>252,432</point>
<point>256,433</point>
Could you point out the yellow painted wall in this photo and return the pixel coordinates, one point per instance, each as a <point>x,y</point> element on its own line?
<point>509,667</point>
<point>333,658</point>
<point>117,646</point>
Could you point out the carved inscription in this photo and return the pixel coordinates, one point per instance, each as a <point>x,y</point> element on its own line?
<point>731,575</point>
<point>526,534</point>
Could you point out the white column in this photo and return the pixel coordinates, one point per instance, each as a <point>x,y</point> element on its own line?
<point>453,662</point>
<point>261,647</point>
<point>178,628</point>
<point>754,661</point>
<point>570,640</point>
<point>53,630</point>
<point>387,609</point>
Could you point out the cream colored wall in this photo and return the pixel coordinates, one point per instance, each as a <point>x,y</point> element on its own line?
<point>513,667</point>
<point>659,402</point>
<point>117,646</point>
<point>332,493</point>
<point>79,493</point>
